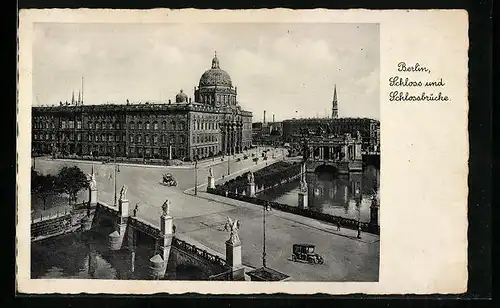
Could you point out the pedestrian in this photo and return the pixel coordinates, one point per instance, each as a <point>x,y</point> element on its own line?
<point>173,228</point>
<point>338,225</point>
<point>359,231</point>
<point>136,209</point>
<point>225,226</point>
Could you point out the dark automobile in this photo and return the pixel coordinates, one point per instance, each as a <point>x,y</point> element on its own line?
<point>305,252</point>
<point>169,180</point>
<point>245,157</point>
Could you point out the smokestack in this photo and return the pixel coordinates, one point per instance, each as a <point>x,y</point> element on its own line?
<point>273,117</point>
<point>264,117</point>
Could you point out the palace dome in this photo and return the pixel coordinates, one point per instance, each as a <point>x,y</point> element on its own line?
<point>181,97</point>
<point>215,76</point>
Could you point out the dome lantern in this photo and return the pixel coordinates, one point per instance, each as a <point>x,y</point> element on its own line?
<point>181,97</point>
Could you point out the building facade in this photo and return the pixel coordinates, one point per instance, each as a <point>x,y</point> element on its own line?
<point>294,129</point>
<point>212,124</point>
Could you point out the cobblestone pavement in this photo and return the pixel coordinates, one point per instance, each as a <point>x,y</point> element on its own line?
<point>200,219</point>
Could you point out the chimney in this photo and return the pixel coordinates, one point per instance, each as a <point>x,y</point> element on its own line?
<point>264,122</point>
<point>273,117</point>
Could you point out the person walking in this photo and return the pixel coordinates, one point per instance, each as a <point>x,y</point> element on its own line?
<point>136,209</point>
<point>338,225</point>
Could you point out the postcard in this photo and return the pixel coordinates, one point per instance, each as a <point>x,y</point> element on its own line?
<point>242,152</point>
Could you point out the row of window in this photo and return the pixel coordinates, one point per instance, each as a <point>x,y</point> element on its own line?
<point>155,125</point>
<point>155,139</point>
<point>205,138</point>
<point>138,138</point>
<point>205,125</point>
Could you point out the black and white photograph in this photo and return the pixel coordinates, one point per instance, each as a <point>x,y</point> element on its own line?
<point>206,152</point>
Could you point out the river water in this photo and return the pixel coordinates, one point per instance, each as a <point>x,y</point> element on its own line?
<point>336,195</point>
<point>86,256</point>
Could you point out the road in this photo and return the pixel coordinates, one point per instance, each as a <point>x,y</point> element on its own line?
<point>201,218</point>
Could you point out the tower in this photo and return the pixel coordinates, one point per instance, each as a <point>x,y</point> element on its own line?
<point>335,110</point>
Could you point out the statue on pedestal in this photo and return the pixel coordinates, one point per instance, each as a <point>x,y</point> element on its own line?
<point>233,228</point>
<point>250,178</point>
<point>166,207</point>
<point>92,181</point>
<point>210,172</point>
<point>303,186</point>
<point>123,193</point>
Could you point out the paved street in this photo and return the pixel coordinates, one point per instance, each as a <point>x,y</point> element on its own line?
<point>201,219</point>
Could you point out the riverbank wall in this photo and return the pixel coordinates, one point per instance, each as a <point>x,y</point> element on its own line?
<point>369,227</point>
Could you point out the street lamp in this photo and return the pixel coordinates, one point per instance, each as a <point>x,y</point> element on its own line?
<point>196,175</point>
<point>264,208</point>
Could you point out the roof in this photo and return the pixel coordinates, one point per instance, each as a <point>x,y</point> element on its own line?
<point>267,274</point>
<point>305,245</point>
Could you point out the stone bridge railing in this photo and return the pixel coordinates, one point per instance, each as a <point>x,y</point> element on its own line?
<point>205,255</point>
<point>107,208</point>
<point>144,227</point>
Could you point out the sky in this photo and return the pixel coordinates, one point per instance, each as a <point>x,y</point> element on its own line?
<point>289,70</point>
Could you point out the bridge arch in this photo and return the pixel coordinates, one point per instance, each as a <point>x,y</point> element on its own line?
<point>326,170</point>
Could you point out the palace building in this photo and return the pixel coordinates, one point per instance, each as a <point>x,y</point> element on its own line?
<point>211,124</point>
<point>295,129</point>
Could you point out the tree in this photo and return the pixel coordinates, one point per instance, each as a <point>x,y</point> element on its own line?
<point>45,186</point>
<point>71,180</point>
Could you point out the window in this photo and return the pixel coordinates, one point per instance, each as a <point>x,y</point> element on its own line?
<point>198,125</point>
<point>71,137</point>
<point>90,125</point>
<point>147,125</point>
<point>53,125</point>
<point>146,139</point>
<point>79,137</point>
<point>173,125</point>
<point>71,124</point>
<point>155,139</point>
<point>164,125</point>
<point>132,125</point>
<point>97,125</point>
<point>63,125</point>
<point>110,125</point>
<point>117,137</point>
<point>132,138</point>
<point>79,124</point>
<point>139,125</point>
<point>53,136</point>
<point>182,139</point>
<point>110,137</point>
<point>163,139</point>
<point>198,139</point>
<point>139,138</point>
<point>90,137</point>
<point>103,137</point>
<point>155,125</point>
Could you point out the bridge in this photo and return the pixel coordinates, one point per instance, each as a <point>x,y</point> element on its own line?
<point>169,252</point>
<point>342,154</point>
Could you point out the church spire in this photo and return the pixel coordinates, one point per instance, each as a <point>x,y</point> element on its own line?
<point>79,101</point>
<point>73,97</point>
<point>335,111</point>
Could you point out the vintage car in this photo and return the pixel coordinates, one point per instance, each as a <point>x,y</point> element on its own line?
<point>169,180</point>
<point>305,252</point>
<point>245,157</point>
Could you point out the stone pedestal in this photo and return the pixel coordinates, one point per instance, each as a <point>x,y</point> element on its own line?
<point>165,243</point>
<point>211,182</point>
<point>157,267</point>
<point>114,242</point>
<point>86,223</point>
<point>93,197</point>
<point>251,189</point>
<point>123,207</point>
<point>303,201</point>
<point>233,258</point>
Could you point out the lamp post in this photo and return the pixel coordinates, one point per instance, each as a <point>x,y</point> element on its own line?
<point>264,237</point>
<point>196,175</point>
<point>359,199</point>
<point>115,171</point>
